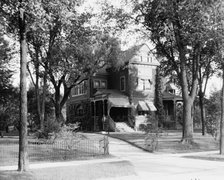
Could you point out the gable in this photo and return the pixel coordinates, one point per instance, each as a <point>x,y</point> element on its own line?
<point>144,55</point>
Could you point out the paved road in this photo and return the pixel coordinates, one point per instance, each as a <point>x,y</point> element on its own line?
<point>165,166</point>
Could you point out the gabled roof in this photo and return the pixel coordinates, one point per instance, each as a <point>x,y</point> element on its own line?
<point>130,54</point>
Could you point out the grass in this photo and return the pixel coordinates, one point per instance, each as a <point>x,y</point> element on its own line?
<point>87,148</point>
<point>80,172</point>
<point>170,142</point>
<point>210,157</point>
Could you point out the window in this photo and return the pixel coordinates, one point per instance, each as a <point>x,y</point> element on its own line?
<point>96,84</point>
<point>147,84</point>
<point>122,83</point>
<point>103,85</point>
<point>79,89</point>
<point>144,84</point>
<point>79,111</point>
<point>100,84</point>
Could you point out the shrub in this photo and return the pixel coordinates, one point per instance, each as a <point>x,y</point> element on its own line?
<point>68,134</point>
<point>212,125</point>
<point>50,126</point>
<point>153,132</point>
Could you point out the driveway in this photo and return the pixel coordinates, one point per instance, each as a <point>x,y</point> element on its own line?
<point>165,166</point>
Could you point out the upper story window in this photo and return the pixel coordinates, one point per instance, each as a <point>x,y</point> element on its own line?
<point>147,84</point>
<point>144,84</point>
<point>96,83</point>
<point>100,84</point>
<point>103,85</point>
<point>122,83</point>
<point>149,58</point>
<point>80,89</point>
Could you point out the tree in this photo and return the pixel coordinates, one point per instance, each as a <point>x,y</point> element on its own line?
<point>68,50</point>
<point>9,95</point>
<point>217,21</point>
<point>213,111</point>
<point>15,23</point>
<point>159,97</point>
<point>34,45</point>
<point>179,30</point>
<point>206,70</point>
<point>23,154</point>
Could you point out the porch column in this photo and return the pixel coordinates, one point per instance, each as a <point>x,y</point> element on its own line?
<point>94,115</point>
<point>103,107</point>
<point>174,113</point>
<point>103,117</point>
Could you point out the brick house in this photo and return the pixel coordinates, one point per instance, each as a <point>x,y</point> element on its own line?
<point>116,99</point>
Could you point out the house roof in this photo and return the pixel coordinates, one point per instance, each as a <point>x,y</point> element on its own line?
<point>115,98</point>
<point>129,54</point>
<point>170,96</point>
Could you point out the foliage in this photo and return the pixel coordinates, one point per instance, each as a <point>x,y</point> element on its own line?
<point>9,101</point>
<point>153,132</point>
<point>212,125</point>
<point>68,134</point>
<point>50,127</point>
<point>32,105</point>
<point>213,111</point>
<point>70,51</point>
<point>179,30</point>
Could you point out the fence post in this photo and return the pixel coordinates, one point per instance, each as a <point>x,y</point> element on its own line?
<point>106,145</point>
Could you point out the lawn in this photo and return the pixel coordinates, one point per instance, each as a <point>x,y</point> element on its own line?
<point>87,147</point>
<point>170,142</point>
<point>79,172</point>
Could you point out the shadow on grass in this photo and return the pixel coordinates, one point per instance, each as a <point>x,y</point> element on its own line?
<point>15,175</point>
<point>208,157</point>
<point>77,172</point>
<point>129,142</point>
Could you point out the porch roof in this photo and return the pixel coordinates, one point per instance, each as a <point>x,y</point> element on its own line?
<point>169,96</point>
<point>114,97</point>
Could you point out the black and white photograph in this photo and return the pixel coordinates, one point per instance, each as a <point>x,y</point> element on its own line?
<point>111,89</point>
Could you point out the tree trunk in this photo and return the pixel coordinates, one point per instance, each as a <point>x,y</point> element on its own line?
<point>23,156</point>
<point>201,97</point>
<point>42,115</point>
<point>58,114</point>
<point>188,101</point>
<point>222,119</point>
<point>188,121</point>
<point>37,91</point>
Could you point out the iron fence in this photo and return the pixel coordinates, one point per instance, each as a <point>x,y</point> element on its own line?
<point>40,150</point>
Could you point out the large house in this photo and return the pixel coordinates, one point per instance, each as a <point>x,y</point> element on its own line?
<point>116,99</point>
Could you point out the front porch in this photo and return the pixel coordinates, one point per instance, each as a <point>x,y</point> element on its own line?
<point>172,104</point>
<point>110,107</point>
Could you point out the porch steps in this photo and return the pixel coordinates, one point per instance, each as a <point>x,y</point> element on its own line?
<point>123,127</point>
